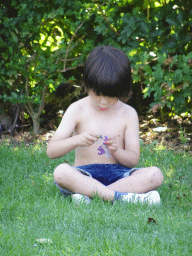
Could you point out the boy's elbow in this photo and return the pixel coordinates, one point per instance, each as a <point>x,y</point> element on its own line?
<point>135,160</point>
<point>133,164</point>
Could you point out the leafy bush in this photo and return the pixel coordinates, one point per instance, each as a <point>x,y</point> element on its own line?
<point>162,55</point>
<point>43,40</point>
<point>39,44</point>
<point>170,80</point>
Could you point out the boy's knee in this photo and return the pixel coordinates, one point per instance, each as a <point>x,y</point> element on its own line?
<point>157,175</point>
<point>60,172</point>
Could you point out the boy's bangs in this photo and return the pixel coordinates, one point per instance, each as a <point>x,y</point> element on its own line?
<point>116,90</point>
<point>112,82</point>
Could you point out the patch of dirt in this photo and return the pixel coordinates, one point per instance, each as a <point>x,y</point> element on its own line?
<point>173,133</point>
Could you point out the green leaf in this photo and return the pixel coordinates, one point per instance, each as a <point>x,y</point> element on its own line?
<point>14,95</point>
<point>161,58</point>
<point>179,99</point>
<point>180,17</point>
<point>178,76</point>
<point>23,6</point>
<point>172,21</point>
<point>135,11</point>
<point>15,38</point>
<point>148,70</point>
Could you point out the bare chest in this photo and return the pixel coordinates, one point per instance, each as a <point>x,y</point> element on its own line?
<point>102,125</point>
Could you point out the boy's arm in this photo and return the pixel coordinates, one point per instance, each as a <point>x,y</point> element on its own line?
<point>62,143</point>
<point>129,156</point>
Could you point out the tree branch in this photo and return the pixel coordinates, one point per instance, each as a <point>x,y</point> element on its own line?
<point>29,107</point>
<point>80,39</point>
<point>26,86</point>
<point>67,60</point>
<point>73,59</point>
<point>110,25</point>
<point>28,110</point>
<point>49,19</point>
<point>65,70</point>
<point>32,57</point>
<point>68,48</point>
<point>42,101</point>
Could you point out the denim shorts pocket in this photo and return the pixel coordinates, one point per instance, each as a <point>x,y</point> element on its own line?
<point>84,172</point>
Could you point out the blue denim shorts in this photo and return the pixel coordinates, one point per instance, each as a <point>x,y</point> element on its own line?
<point>104,173</point>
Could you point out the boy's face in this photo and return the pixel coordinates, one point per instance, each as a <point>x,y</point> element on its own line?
<point>102,103</point>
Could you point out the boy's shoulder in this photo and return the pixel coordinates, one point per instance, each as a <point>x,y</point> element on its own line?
<point>128,110</point>
<point>78,105</point>
<point>124,110</point>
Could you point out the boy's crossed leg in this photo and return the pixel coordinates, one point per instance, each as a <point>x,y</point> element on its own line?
<point>140,181</point>
<point>70,178</point>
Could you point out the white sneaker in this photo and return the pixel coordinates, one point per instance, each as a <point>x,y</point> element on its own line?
<point>78,198</point>
<point>152,197</point>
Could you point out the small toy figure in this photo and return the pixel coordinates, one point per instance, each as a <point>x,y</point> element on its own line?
<point>103,148</point>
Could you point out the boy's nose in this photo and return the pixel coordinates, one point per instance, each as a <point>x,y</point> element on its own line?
<point>103,101</point>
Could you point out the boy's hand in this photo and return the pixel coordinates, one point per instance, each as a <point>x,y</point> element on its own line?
<point>87,139</point>
<point>112,144</point>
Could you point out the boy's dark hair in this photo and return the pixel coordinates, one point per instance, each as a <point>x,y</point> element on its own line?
<point>107,72</point>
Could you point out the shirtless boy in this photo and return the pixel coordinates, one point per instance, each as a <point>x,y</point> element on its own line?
<point>102,123</point>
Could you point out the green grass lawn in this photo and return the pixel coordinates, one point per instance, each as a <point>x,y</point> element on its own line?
<point>31,208</point>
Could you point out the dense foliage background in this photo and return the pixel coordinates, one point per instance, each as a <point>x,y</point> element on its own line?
<point>45,43</point>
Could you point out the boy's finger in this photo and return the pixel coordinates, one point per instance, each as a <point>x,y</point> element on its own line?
<point>93,138</point>
<point>110,141</point>
<point>113,137</point>
<point>95,135</point>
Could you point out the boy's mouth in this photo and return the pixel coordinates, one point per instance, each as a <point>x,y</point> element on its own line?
<point>102,109</point>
